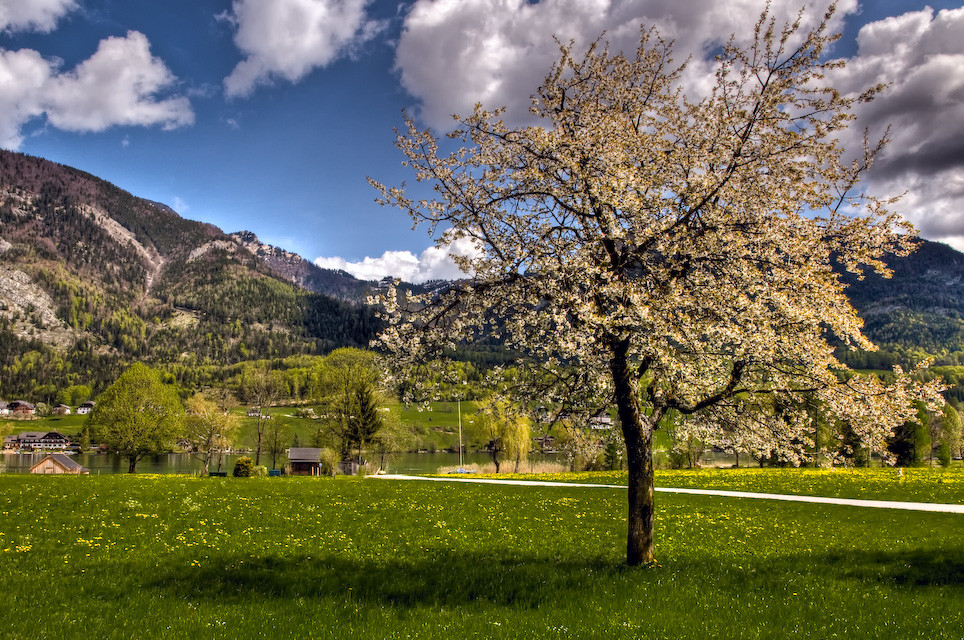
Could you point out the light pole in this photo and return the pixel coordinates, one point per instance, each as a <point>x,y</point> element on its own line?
<point>460,433</point>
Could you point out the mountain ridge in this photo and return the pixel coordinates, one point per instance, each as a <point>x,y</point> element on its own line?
<point>92,278</point>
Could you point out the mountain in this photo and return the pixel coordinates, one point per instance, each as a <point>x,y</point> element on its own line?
<point>305,274</point>
<point>92,278</point>
<point>918,311</point>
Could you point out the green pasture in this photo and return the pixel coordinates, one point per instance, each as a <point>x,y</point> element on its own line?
<point>434,425</point>
<point>185,557</point>
<point>913,484</point>
<point>68,425</point>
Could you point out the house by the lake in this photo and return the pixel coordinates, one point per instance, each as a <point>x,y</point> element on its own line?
<point>21,408</point>
<point>58,463</point>
<point>37,441</point>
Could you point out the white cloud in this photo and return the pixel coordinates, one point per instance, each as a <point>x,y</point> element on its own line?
<point>290,38</point>
<point>33,15</point>
<point>921,56</point>
<point>433,264</point>
<point>118,85</point>
<point>23,75</point>
<point>454,53</point>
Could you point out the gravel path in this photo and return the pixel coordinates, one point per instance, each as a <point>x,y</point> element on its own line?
<point>877,504</point>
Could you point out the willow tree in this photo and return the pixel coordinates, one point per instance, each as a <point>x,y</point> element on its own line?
<point>505,432</point>
<point>677,253</point>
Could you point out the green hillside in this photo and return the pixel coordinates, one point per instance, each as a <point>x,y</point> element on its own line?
<point>93,278</point>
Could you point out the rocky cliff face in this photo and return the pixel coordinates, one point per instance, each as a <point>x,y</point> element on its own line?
<point>295,269</point>
<point>31,311</point>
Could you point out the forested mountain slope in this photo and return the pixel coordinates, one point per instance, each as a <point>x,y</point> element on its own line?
<point>92,278</point>
<point>920,310</point>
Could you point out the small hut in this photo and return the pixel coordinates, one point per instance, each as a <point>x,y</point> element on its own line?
<point>58,463</point>
<point>304,461</point>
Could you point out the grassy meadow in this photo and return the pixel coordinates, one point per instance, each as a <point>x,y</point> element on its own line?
<point>185,557</point>
<point>911,484</point>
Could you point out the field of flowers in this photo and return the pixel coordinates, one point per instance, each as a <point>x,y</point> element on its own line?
<point>185,557</point>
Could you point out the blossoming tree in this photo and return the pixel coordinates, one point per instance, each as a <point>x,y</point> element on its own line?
<point>674,254</point>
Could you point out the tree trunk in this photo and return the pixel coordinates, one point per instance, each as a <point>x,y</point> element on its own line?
<point>131,463</point>
<point>257,451</point>
<point>640,548</point>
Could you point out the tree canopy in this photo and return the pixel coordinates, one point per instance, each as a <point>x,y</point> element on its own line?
<point>504,430</point>
<point>209,427</point>
<point>138,415</point>
<point>664,252</point>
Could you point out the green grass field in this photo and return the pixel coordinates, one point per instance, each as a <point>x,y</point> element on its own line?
<point>184,557</point>
<point>920,484</point>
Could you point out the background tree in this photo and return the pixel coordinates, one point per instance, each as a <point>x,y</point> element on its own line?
<point>138,415</point>
<point>349,393</point>
<point>950,434</point>
<point>278,435</point>
<point>74,395</point>
<point>393,436</point>
<point>505,431</point>
<point>364,421</point>
<point>259,387</point>
<point>580,446</point>
<point>209,427</point>
<point>910,442</point>
<point>675,253</point>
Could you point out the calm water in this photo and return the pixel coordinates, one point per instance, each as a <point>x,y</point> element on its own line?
<point>183,463</point>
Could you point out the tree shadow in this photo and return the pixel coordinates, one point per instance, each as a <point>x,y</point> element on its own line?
<point>912,568</point>
<point>444,579</point>
<point>452,579</point>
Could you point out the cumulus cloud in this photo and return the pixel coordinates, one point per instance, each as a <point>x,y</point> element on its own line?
<point>921,57</point>
<point>23,75</point>
<point>433,264</point>
<point>289,38</point>
<point>120,84</point>
<point>33,15</point>
<point>454,53</point>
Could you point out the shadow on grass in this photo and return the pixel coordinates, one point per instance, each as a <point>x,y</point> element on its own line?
<point>450,579</point>
<point>442,579</point>
<point>913,568</point>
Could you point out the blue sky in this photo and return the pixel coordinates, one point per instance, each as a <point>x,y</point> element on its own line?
<point>267,115</point>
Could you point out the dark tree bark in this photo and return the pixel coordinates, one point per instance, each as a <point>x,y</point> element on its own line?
<point>640,547</point>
